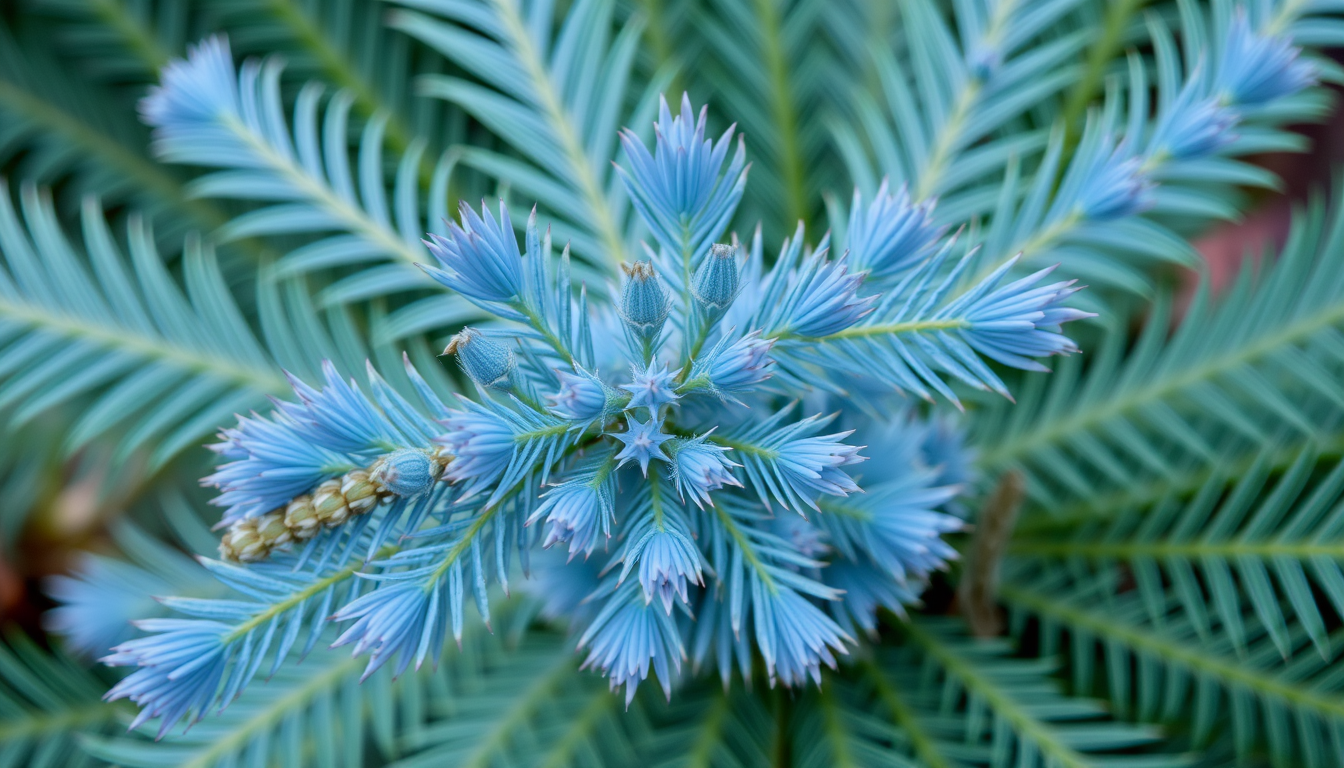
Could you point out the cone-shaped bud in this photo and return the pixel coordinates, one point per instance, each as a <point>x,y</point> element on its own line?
<point>486,361</point>
<point>406,472</point>
<point>581,397</point>
<point>717,280</point>
<point>644,301</point>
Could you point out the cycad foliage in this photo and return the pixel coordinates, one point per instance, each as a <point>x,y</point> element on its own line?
<point>1174,581</point>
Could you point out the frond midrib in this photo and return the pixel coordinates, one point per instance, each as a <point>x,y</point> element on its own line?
<point>558,118</point>
<point>322,195</point>
<point>600,702</point>
<point>42,723</point>
<point>1170,651</point>
<point>1160,390</point>
<point>1188,550</point>
<point>146,174</point>
<point>1137,496</point>
<point>144,46</point>
<point>1046,738</point>
<point>924,744</point>
<point>783,110</point>
<point>488,744</point>
<point>268,717</point>
<point>119,338</point>
<point>346,76</point>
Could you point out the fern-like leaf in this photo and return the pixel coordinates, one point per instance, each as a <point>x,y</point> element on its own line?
<point>1258,365</point>
<point>556,99</point>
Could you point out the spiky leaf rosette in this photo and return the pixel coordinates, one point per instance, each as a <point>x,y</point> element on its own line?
<point>715,498</point>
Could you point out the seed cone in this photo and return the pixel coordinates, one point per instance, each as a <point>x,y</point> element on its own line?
<point>332,503</point>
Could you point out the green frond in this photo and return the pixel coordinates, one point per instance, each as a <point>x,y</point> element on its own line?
<point>705,726</point>
<point>1259,365</point>
<point>931,121</point>
<point>944,699</point>
<point>1274,550</point>
<point>347,45</point>
<point>150,363</point>
<point>772,65</point>
<point>47,702</point>
<point>1165,671</point>
<point>556,96</point>
<point>58,127</point>
<point>129,41</point>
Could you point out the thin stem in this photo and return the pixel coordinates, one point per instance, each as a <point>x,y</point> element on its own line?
<point>888,329</point>
<point>360,222</point>
<point>1164,389</point>
<point>264,381</point>
<point>1099,56</point>
<point>923,743</point>
<point>1048,740</point>
<point>782,109</point>
<point>582,170</point>
<point>553,341</point>
<point>1187,550</point>
<point>1198,659</point>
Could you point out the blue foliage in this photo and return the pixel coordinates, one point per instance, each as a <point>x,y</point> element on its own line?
<point>681,189</point>
<point>1257,68</point>
<point>695,525</point>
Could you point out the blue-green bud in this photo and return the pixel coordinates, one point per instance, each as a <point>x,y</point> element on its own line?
<point>717,281</point>
<point>487,362</point>
<point>644,301</point>
<point>406,472</point>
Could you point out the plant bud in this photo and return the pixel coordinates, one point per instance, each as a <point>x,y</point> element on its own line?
<point>406,472</point>
<point>644,301</point>
<point>717,280</point>
<point>487,362</point>
<point>581,396</point>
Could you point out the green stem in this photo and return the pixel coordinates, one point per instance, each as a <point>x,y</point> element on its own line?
<point>1225,550</point>
<point>263,720</point>
<point>1230,672</point>
<point>601,703</point>
<point>782,109</point>
<point>118,158</point>
<point>656,499</point>
<point>951,131</point>
<point>583,171</point>
<point>553,341</point>
<point>487,746</point>
<point>835,726</point>
<point>1184,485</point>
<point>140,40</point>
<point>38,724</point>
<point>767,454</point>
<point>359,221</point>
<point>924,745</point>
<point>296,599</point>
<point>744,543</point>
<point>338,66</point>
<point>941,157</point>
<point>1163,389</point>
<point>710,733</point>
<point>888,329</point>
<point>1051,744</point>
<point>1099,56</point>
<point>117,338</point>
